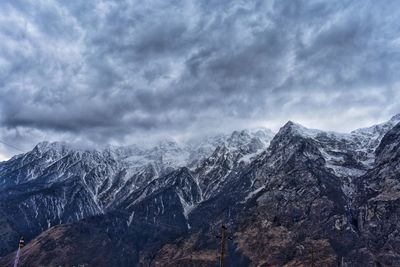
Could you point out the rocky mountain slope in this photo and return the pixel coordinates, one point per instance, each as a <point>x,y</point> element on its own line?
<point>56,183</point>
<point>305,197</point>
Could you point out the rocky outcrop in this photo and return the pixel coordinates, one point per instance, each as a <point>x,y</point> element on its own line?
<point>378,202</point>
<point>309,198</point>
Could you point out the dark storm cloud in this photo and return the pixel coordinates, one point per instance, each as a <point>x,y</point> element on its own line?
<point>107,71</point>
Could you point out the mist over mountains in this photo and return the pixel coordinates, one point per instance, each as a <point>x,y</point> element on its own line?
<point>112,72</point>
<point>280,195</point>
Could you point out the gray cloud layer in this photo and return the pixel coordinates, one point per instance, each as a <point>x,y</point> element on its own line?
<point>110,71</point>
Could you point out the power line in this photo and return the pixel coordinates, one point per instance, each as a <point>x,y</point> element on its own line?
<point>12,146</point>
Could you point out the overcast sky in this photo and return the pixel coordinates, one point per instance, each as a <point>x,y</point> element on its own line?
<point>119,72</point>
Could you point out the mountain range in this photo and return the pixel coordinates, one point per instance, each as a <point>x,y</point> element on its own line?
<point>300,197</point>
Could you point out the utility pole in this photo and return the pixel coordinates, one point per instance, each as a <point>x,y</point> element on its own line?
<point>223,228</point>
<point>312,256</point>
<point>222,237</point>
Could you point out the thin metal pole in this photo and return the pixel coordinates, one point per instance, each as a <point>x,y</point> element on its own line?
<point>223,228</point>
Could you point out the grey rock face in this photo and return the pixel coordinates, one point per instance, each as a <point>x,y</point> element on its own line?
<point>56,183</point>
<point>378,202</point>
<point>300,198</point>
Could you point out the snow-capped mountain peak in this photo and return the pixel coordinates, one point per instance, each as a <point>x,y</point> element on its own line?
<point>377,131</point>
<point>346,154</point>
<point>181,183</point>
<point>298,129</point>
<point>45,146</point>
